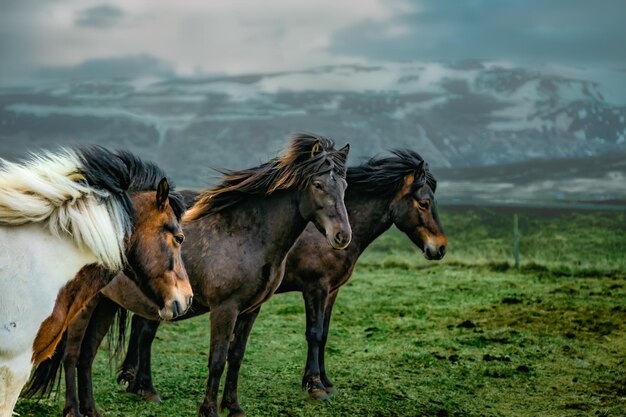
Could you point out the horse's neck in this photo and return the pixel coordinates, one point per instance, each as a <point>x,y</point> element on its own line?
<point>369,218</point>
<point>267,225</point>
<point>278,222</point>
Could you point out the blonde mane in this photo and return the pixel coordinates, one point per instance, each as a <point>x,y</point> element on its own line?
<point>53,189</point>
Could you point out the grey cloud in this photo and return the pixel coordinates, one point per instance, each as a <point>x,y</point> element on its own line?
<point>572,32</point>
<point>102,16</point>
<point>16,37</point>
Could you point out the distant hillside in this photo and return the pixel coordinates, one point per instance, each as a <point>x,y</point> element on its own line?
<point>599,180</point>
<point>470,114</point>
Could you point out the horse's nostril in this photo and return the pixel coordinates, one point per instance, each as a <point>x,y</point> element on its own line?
<point>189,301</point>
<point>177,309</point>
<point>341,238</point>
<point>442,250</point>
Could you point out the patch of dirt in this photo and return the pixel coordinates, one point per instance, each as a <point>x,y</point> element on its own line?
<point>467,324</point>
<point>511,300</point>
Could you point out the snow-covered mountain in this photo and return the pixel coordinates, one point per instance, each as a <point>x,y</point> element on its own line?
<point>467,114</point>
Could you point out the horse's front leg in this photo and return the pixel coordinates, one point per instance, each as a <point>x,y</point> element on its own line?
<point>235,356</point>
<point>14,373</point>
<point>128,371</point>
<point>223,320</point>
<point>328,311</point>
<point>314,301</point>
<point>98,327</point>
<point>137,368</point>
<point>71,409</point>
<point>71,352</point>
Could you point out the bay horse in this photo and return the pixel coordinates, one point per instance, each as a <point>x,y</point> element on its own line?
<point>399,190</point>
<point>69,221</point>
<point>252,218</point>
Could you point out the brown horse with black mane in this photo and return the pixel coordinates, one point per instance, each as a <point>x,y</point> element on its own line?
<point>252,219</point>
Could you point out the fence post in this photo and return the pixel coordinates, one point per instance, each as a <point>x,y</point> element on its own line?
<point>516,240</point>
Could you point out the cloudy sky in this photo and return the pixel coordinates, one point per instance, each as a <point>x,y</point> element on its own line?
<point>193,37</point>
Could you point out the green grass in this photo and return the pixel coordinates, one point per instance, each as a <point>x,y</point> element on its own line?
<point>548,339</point>
<point>557,241</point>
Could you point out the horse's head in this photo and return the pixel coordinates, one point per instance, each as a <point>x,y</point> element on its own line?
<point>153,250</point>
<point>414,211</point>
<point>321,199</point>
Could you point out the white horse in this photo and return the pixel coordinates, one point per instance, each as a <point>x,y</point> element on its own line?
<point>58,213</point>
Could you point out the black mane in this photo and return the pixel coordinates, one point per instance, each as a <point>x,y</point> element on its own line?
<point>307,155</point>
<point>384,176</point>
<point>121,172</point>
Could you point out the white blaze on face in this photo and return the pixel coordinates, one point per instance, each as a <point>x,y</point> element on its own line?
<point>34,266</point>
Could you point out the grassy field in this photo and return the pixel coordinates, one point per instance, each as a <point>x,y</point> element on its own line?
<point>467,336</point>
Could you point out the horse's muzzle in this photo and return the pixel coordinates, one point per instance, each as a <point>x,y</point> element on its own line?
<point>436,253</point>
<point>341,240</point>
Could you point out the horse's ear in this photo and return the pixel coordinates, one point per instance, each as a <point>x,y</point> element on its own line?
<point>343,153</point>
<point>315,149</point>
<point>163,193</point>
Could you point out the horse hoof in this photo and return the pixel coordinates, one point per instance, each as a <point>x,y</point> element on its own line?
<point>313,385</point>
<point>152,397</point>
<point>318,394</point>
<point>332,391</point>
<point>234,409</point>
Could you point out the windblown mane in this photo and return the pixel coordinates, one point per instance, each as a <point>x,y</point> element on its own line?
<point>307,155</point>
<point>384,176</point>
<point>81,193</point>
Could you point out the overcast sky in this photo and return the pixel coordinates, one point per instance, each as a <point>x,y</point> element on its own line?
<point>189,37</point>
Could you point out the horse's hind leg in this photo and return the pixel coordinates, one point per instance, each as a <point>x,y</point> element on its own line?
<point>98,327</point>
<point>235,356</point>
<point>75,334</point>
<point>330,302</point>
<point>14,374</point>
<point>314,302</point>
<point>136,369</point>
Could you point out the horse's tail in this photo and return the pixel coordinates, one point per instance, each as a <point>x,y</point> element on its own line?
<point>116,337</point>
<point>46,378</point>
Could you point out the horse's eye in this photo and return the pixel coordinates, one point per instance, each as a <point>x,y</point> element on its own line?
<point>423,204</point>
<point>179,238</point>
<point>318,185</point>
